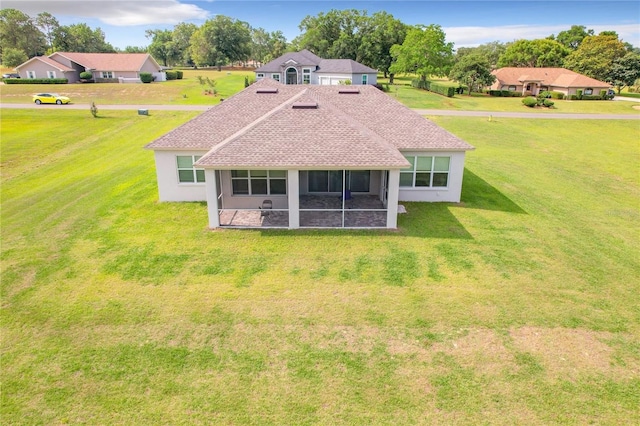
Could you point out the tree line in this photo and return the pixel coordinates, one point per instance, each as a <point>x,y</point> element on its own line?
<point>379,41</point>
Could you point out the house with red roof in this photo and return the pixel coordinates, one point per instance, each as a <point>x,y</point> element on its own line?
<point>105,67</point>
<point>304,67</point>
<point>536,80</point>
<point>308,156</point>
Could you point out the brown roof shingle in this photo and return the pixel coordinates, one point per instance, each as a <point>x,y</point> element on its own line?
<point>559,77</point>
<point>107,61</point>
<point>362,130</point>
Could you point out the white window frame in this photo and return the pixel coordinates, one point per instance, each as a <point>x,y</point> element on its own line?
<point>249,178</point>
<point>511,88</point>
<point>306,75</point>
<point>198,174</point>
<point>276,77</point>
<point>31,74</point>
<point>106,74</point>
<point>51,74</point>
<point>365,79</point>
<point>588,91</point>
<point>414,171</point>
<point>259,75</point>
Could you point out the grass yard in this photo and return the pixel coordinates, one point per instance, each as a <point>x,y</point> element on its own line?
<point>187,91</point>
<point>518,306</point>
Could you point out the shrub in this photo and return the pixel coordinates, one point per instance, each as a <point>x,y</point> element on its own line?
<point>603,94</point>
<point>557,95</point>
<point>420,84</point>
<point>86,75</point>
<point>591,98</point>
<point>36,81</point>
<point>579,93</point>
<point>179,74</point>
<point>573,97</point>
<point>146,77</point>
<point>545,94</point>
<point>447,91</point>
<point>530,101</point>
<point>547,103</point>
<point>172,75</point>
<point>383,87</point>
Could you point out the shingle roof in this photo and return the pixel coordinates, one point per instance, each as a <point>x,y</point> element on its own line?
<point>48,61</point>
<point>559,77</point>
<point>306,58</point>
<point>361,130</point>
<point>108,61</point>
<point>303,57</point>
<point>347,66</point>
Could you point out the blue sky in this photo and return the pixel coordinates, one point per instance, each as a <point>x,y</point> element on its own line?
<point>466,23</point>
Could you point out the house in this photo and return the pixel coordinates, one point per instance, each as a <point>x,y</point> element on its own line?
<point>306,68</point>
<point>535,80</point>
<point>105,67</point>
<point>296,156</point>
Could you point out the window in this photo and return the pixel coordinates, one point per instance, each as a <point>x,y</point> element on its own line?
<point>259,76</point>
<point>365,78</point>
<point>306,76</point>
<point>259,182</point>
<point>107,74</point>
<point>51,74</point>
<point>186,172</point>
<point>276,77</point>
<point>331,180</point>
<point>512,88</point>
<point>31,74</point>
<point>425,172</point>
<point>588,91</point>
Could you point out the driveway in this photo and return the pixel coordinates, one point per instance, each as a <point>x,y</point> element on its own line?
<point>433,112</point>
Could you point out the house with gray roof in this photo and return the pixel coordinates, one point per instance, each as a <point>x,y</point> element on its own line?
<point>304,67</point>
<point>305,156</point>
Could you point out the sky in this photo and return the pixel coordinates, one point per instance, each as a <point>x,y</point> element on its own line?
<point>466,23</point>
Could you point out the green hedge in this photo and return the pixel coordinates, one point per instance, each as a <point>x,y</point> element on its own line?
<point>591,98</point>
<point>447,91</point>
<point>36,81</point>
<point>172,75</point>
<point>557,95</point>
<point>420,84</point>
<point>504,93</point>
<point>179,74</point>
<point>146,77</point>
<point>530,102</point>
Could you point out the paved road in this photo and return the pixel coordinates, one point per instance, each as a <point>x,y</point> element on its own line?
<point>432,112</point>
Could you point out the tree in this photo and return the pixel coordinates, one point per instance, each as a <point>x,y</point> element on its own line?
<point>335,34</point>
<point>259,44</point>
<point>538,53</point>
<point>11,57</point>
<point>181,42</point>
<point>221,40</point>
<point>572,38</point>
<point>47,23</point>
<point>379,33</point>
<point>474,71</point>
<point>491,51</point>
<point>135,49</point>
<point>19,31</point>
<point>625,71</point>
<point>162,47</point>
<point>424,52</point>
<point>595,56</point>
<point>81,38</point>
<point>277,45</point>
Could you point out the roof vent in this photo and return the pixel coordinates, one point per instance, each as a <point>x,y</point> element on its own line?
<point>305,105</point>
<point>350,90</point>
<point>267,90</point>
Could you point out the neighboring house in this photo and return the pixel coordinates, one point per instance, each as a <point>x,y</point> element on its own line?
<point>105,67</point>
<point>317,156</point>
<point>535,80</point>
<point>306,68</point>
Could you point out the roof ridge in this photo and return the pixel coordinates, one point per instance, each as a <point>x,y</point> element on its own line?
<point>255,122</point>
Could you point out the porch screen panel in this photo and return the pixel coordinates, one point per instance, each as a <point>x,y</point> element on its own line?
<point>318,181</point>
<point>335,181</point>
<point>359,180</point>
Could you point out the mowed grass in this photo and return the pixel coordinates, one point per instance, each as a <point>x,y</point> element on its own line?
<point>187,91</point>
<point>519,305</point>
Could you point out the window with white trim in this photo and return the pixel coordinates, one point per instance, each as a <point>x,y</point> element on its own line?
<point>186,172</point>
<point>425,172</point>
<point>259,182</point>
<point>512,88</point>
<point>276,77</point>
<point>51,74</point>
<point>31,74</point>
<point>306,76</point>
<point>331,180</point>
<point>107,74</point>
<point>259,75</point>
<point>588,91</point>
<point>365,78</point>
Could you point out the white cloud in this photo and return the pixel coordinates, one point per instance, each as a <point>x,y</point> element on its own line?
<point>474,36</point>
<point>115,12</point>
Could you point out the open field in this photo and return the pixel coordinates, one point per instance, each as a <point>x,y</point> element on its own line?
<point>187,91</point>
<point>518,306</point>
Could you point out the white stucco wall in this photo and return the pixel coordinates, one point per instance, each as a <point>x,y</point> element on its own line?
<point>169,189</point>
<point>449,194</point>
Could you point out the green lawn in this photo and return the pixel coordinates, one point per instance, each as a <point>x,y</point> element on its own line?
<point>187,91</point>
<point>518,306</point>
